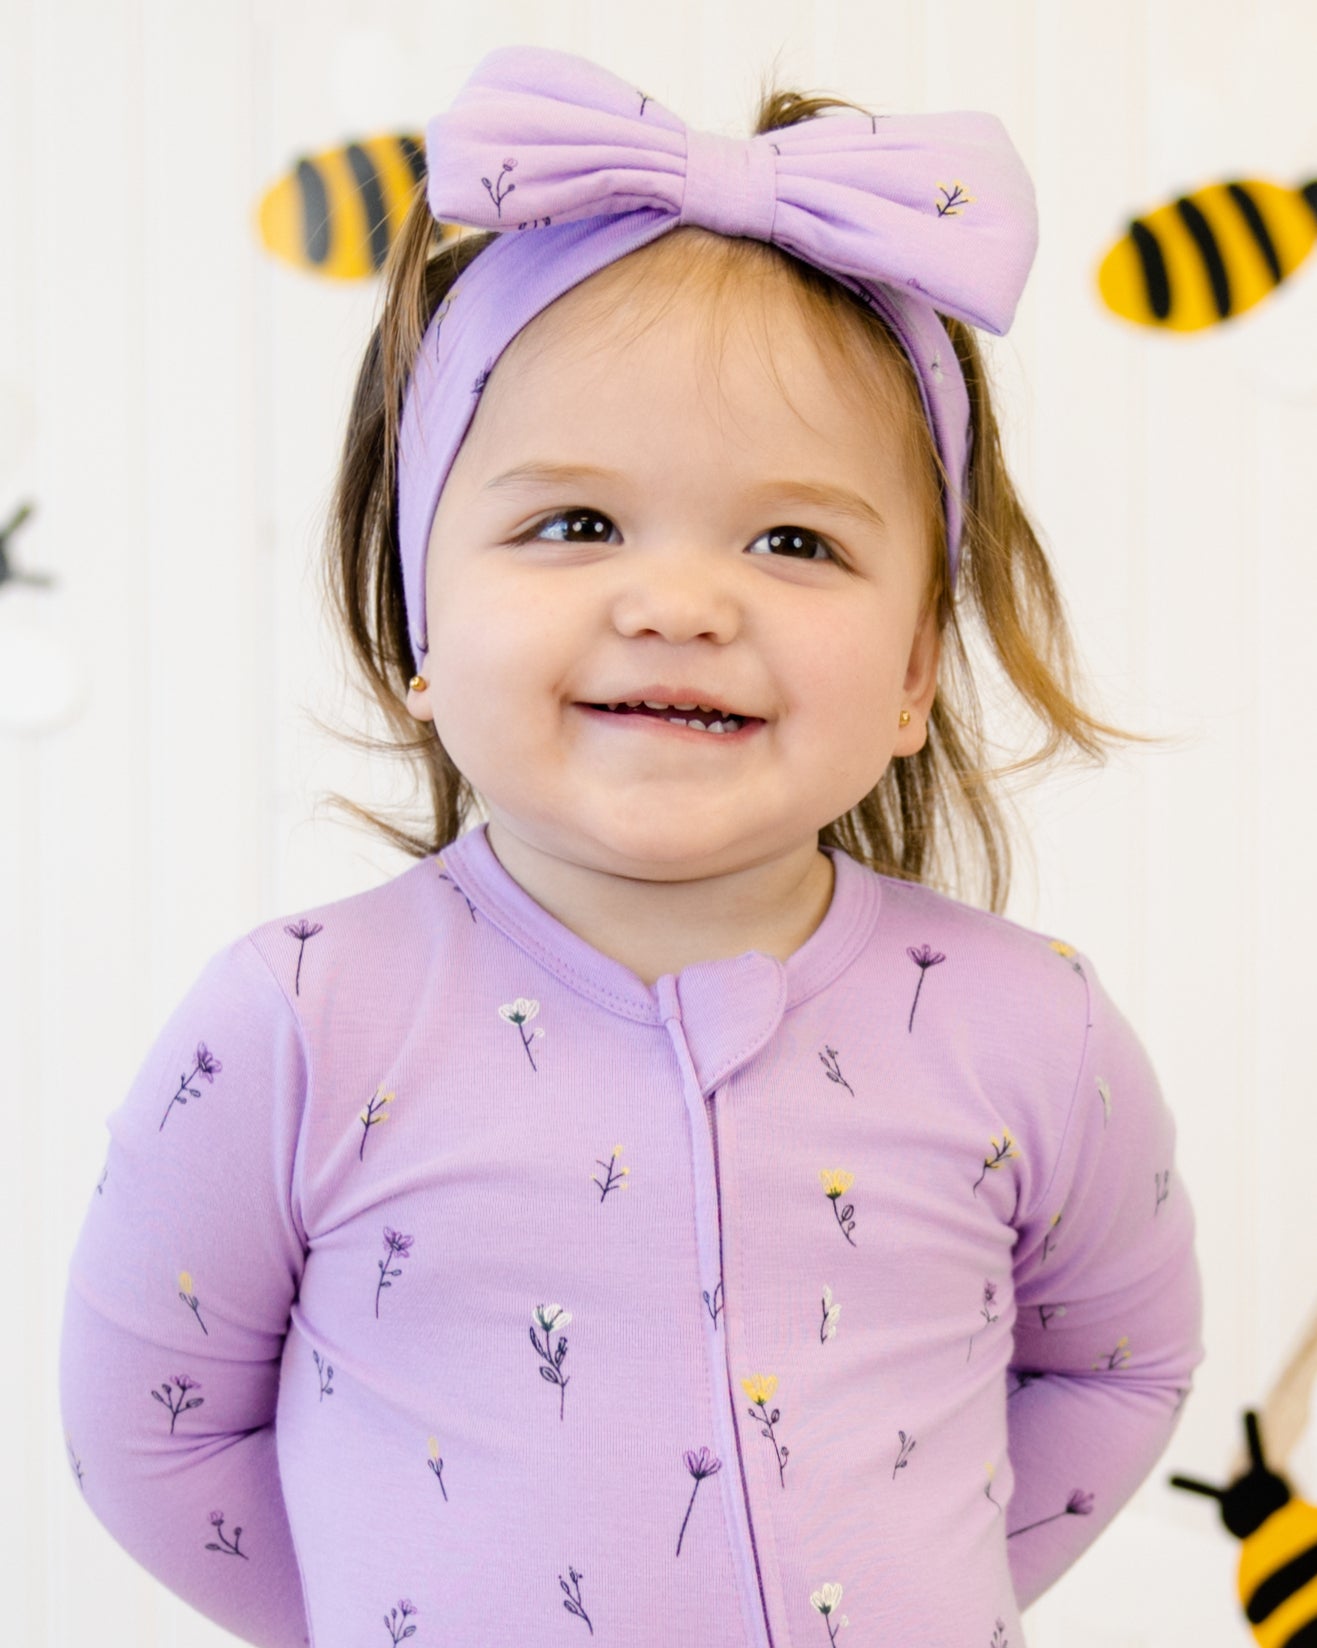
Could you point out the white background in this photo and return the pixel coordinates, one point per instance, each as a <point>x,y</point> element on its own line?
<point>173,401</point>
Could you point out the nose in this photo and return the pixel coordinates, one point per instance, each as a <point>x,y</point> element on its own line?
<point>681,596</point>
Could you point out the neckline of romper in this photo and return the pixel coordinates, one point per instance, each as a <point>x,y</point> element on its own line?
<point>728,1009</point>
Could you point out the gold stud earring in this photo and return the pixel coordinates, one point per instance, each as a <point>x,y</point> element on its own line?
<point>905,718</point>
<point>418,683</point>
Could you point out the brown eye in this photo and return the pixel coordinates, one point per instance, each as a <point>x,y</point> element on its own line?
<point>797,542</point>
<point>584,526</point>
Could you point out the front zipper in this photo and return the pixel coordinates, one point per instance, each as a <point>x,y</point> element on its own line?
<point>731,1382</point>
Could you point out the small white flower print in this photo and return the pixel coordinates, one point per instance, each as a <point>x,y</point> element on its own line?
<point>519,1012</point>
<point>825,1601</point>
<point>830,1315</point>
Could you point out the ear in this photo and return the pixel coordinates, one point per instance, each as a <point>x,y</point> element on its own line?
<point>920,686</point>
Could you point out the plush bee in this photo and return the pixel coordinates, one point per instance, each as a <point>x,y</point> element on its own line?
<point>336,213</point>
<point>1278,1558</point>
<point>1209,255</point>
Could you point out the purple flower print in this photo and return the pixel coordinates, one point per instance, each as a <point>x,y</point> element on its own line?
<point>825,1600</point>
<point>714,1304</point>
<point>520,1012</point>
<point>1163,1189</point>
<point>74,1461</point>
<point>991,1469</point>
<point>217,1522</point>
<point>184,1402</point>
<point>1078,1504</point>
<point>436,1464</point>
<point>573,1604</point>
<point>989,1299</point>
<point>301,931</point>
<point>189,1298</point>
<point>398,1246</point>
<point>903,1457</point>
<point>395,1621</point>
<point>700,1464</point>
<point>497,193</point>
<point>207,1065</point>
<point>999,1637</point>
<point>551,1317</point>
<point>923,958</point>
<point>482,378</point>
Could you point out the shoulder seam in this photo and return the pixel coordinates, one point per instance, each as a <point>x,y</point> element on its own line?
<point>298,1147</point>
<point>1041,1201</point>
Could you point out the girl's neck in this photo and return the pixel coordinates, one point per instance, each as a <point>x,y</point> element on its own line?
<point>658,927</point>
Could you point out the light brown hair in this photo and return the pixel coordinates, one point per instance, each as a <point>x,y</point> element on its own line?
<point>937,816</point>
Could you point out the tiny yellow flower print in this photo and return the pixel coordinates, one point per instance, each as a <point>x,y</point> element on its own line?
<point>1048,1244</point>
<point>189,1298</point>
<point>520,1012</point>
<point>987,1490</point>
<point>1000,1150</point>
<point>955,199</point>
<point>615,1180</point>
<point>1116,1358</point>
<point>436,1464</point>
<point>760,1387</point>
<point>835,1185</point>
<point>376,1111</point>
<point>1067,952</point>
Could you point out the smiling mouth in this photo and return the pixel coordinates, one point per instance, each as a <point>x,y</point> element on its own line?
<point>718,723</point>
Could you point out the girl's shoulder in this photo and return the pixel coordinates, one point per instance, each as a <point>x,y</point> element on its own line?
<point>386,926</point>
<point>979,935</point>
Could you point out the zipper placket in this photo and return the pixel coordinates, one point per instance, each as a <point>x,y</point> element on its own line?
<point>708,1224</point>
<point>727,1366</point>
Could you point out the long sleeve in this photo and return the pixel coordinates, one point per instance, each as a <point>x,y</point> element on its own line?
<point>1108,1301</point>
<point>189,1257</point>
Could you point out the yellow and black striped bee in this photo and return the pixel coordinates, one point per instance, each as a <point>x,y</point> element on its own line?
<point>1278,1559</point>
<point>1210,255</point>
<point>336,213</point>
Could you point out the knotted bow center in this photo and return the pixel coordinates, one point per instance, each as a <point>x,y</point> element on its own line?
<point>731,185</point>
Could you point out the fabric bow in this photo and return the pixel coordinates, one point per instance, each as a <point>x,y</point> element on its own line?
<point>941,203</point>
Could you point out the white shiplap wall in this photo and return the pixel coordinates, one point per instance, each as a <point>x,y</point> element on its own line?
<point>174,403</point>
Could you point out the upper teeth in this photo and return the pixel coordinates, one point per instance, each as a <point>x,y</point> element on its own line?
<point>705,709</point>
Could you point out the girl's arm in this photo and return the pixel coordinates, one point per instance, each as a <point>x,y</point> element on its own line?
<point>177,1306</point>
<point>1109,1314</point>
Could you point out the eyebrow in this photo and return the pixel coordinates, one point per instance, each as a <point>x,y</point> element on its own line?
<point>841,500</point>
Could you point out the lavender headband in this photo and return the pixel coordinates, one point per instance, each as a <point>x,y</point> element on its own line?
<point>915,214</point>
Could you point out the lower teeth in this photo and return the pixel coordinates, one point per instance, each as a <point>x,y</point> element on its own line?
<point>713,726</point>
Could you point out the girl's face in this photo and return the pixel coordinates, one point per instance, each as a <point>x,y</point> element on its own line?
<point>685,553</point>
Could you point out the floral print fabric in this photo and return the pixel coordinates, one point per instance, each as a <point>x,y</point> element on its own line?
<point>433,1381</point>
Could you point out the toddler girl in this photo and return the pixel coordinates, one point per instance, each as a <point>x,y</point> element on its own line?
<point>763,1248</point>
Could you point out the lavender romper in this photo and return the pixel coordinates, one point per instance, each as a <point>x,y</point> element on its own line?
<point>445,1283</point>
